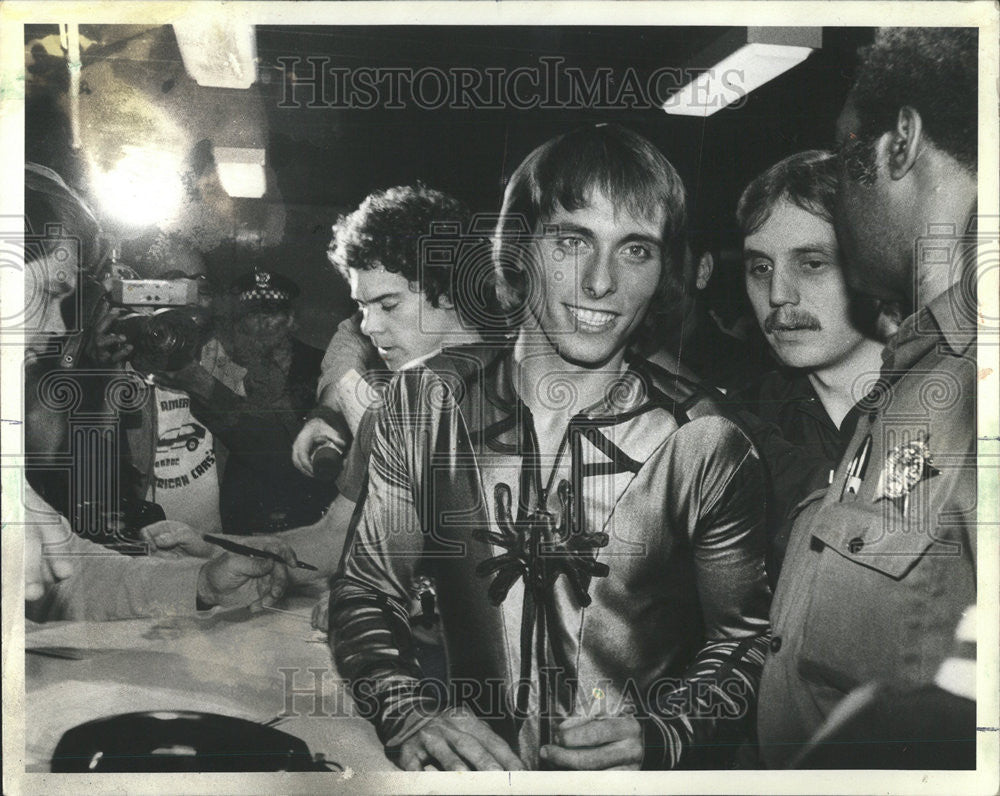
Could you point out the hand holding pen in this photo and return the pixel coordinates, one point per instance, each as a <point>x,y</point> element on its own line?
<point>236,579</point>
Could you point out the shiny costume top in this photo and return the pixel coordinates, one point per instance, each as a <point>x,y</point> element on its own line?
<point>633,580</point>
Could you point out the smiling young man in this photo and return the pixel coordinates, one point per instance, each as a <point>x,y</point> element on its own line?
<point>593,525</point>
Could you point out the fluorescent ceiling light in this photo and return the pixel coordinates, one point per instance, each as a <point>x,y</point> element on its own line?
<point>218,52</point>
<point>241,171</point>
<point>766,54</point>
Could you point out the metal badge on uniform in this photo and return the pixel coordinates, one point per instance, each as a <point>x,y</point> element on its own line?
<point>905,466</point>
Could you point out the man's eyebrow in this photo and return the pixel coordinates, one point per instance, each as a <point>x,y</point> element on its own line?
<point>814,248</point>
<point>641,237</point>
<point>748,253</point>
<point>567,227</point>
<point>808,248</point>
<point>381,297</point>
<point>563,227</point>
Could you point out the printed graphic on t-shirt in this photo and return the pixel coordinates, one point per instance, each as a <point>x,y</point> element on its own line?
<point>185,477</point>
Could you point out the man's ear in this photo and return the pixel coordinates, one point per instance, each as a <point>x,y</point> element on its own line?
<point>445,303</point>
<point>706,264</point>
<point>902,144</point>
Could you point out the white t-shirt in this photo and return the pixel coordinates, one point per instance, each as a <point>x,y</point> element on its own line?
<point>185,474</point>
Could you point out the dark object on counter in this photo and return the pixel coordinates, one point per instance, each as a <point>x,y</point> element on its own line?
<point>117,527</point>
<point>179,741</point>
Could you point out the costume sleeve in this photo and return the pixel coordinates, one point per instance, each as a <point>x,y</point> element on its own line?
<point>352,476</point>
<point>712,710</point>
<point>370,634</point>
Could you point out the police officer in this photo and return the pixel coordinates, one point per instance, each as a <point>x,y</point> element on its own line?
<point>881,567</point>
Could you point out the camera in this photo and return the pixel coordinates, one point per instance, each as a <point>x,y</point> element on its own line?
<point>154,292</point>
<point>166,327</point>
<point>167,340</point>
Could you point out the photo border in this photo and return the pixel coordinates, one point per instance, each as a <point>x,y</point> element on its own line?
<point>984,15</point>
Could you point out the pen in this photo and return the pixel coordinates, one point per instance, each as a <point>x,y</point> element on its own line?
<point>234,547</point>
<point>859,465</point>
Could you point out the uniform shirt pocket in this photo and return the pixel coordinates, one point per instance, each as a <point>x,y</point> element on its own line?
<point>856,628</point>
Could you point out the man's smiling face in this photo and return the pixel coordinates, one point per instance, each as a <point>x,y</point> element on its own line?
<point>594,273</point>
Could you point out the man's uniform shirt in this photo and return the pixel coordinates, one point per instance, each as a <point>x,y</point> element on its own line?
<point>652,597</point>
<point>880,568</point>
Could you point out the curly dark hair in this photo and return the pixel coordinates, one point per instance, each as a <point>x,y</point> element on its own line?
<point>934,71</point>
<point>806,179</point>
<point>385,232</point>
<point>565,170</point>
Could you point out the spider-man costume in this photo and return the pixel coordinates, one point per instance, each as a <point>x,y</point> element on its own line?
<point>632,579</point>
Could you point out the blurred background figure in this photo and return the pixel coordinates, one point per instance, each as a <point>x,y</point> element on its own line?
<point>723,354</point>
<point>261,489</point>
<point>66,576</point>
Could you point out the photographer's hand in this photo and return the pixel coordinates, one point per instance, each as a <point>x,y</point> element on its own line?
<point>192,378</point>
<point>105,348</point>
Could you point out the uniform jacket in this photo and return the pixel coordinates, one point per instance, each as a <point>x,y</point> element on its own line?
<point>880,567</point>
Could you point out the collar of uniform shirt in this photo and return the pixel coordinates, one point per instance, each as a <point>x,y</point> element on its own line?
<point>946,318</point>
<point>954,312</point>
